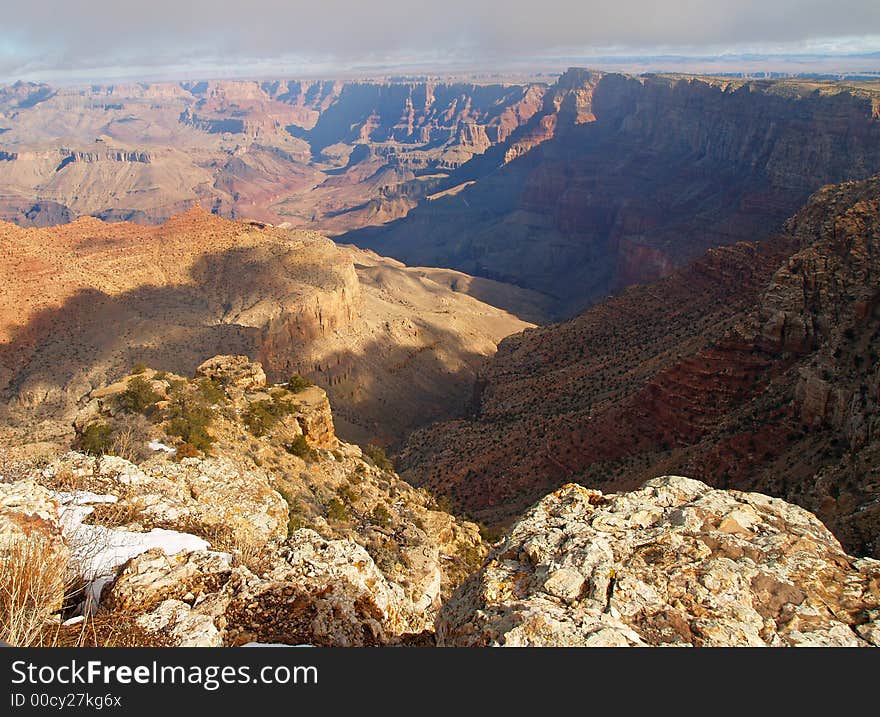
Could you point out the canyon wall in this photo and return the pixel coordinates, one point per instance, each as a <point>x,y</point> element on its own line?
<point>639,175</point>
<point>754,367</point>
<point>329,155</point>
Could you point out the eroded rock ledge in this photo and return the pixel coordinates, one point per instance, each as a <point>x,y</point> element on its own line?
<point>674,563</point>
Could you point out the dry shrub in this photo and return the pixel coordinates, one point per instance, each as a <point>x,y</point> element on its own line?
<point>65,481</point>
<point>106,629</point>
<point>248,552</point>
<point>131,433</point>
<point>127,510</point>
<point>33,578</point>
<point>14,469</point>
<point>186,450</point>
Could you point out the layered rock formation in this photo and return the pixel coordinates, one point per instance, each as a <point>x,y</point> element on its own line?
<point>396,347</point>
<point>426,113</point>
<point>640,175</point>
<point>755,368</point>
<point>675,563</point>
<point>328,154</point>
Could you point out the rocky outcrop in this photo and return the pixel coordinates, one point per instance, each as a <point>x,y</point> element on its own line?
<point>327,593</point>
<point>213,494</point>
<point>109,155</point>
<point>239,516</point>
<point>281,537</point>
<point>310,590</point>
<point>235,373</point>
<point>28,509</point>
<point>674,563</point>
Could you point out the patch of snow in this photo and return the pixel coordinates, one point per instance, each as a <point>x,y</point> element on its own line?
<point>99,551</point>
<point>73,621</point>
<point>159,446</point>
<point>71,517</point>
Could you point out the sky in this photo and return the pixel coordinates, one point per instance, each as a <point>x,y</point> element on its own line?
<point>91,40</point>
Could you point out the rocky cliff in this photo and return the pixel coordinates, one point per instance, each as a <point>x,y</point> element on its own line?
<point>426,113</point>
<point>618,179</point>
<point>176,553</point>
<point>754,367</point>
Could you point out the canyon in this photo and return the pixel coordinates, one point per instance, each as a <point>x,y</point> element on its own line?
<point>331,155</point>
<point>621,179</point>
<point>619,335</point>
<point>754,367</point>
<point>279,533</point>
<point>572,189</point>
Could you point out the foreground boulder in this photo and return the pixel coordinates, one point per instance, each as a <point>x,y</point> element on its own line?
<point>675,563</point>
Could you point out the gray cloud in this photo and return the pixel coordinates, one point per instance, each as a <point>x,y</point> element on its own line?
<point>43,37</point>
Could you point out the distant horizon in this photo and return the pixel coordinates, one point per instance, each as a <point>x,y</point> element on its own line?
<point>746,64</point>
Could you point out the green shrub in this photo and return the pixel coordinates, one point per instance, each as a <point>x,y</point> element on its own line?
<point>96,439</point>
<point>212,391</point>
<point>261,416</point>
<point>139,396</point>
<point>337,511</point>
<point>381,515</point>
<point>138,368</point>
<point>189,419</point>
<point>297,383</point>
<point>258,418</point>
<point>299,446</point>
<point>377,455</point>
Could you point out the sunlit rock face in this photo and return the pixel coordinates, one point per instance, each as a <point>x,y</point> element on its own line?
<point>674,563</point>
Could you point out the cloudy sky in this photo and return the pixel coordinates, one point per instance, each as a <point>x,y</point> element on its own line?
<point>103,39</point>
